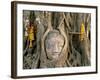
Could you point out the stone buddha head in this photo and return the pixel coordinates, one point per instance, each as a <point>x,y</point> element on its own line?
<point>54,43</point>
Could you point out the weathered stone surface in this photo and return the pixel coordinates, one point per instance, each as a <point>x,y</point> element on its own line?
<point>54,44</point>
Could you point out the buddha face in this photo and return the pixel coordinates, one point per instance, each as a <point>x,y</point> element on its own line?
<point>54,44</point>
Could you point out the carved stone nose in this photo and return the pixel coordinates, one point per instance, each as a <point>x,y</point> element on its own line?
<point>55,48</point>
